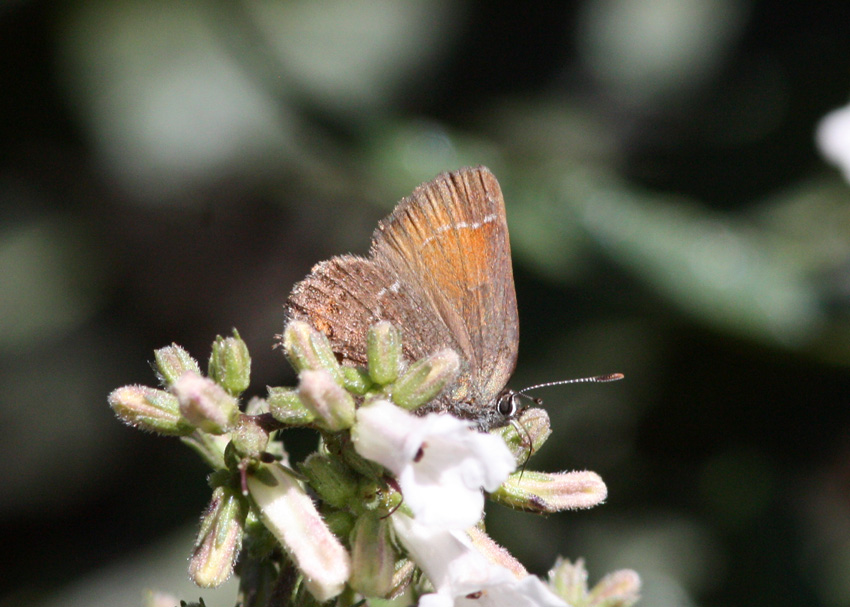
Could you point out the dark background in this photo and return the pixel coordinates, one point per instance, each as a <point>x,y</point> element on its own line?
<point>169,170</point>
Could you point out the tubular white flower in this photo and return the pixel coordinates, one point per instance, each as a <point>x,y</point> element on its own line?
<point>289,513</point>
<point>462,576</point>
<point>441,462</point>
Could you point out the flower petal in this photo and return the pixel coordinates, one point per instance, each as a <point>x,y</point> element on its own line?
<point>441,462</point>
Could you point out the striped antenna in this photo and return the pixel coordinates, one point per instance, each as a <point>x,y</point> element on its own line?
<point>596,379</point>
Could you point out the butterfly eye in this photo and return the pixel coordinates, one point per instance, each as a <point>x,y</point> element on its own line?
<point>507,404</point>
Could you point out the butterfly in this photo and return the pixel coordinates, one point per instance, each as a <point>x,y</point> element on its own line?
<point>439,269</point>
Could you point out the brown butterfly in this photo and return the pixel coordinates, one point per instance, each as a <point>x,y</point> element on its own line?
<point>439,269</point>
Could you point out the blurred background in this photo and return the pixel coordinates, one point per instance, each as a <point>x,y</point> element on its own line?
<point>168,170</point>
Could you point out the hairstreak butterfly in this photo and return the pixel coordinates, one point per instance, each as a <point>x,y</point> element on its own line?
<point>439,268</point>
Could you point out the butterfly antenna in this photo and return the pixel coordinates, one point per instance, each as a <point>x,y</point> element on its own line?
<point>596,379</point>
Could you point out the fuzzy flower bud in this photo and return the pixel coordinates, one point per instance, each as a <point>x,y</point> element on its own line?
<point>373,557</point>
<point>205,404</point>
<point>172,362</point>
<point>356,380</point>
<point>149,409</point>
<point>425,379</point>
<point>289,513</point>
<point>569,581</point>
<point>327,400</point>
<point>551,492</point>
<point>309,350</point>
<point>495,553</point>
<point>230,364</point>
<point>526,439</point>
<point>617,589</point>
<point>249,438</point>
<point>335,482</point>
<point>286,407</point>
<point>383,351</point>
<point>219,539</point>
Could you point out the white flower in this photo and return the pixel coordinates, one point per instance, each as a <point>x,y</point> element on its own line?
<point>289,513</point>
<point>441,463</point>
<point>462,576</point>
<point>833,139</point>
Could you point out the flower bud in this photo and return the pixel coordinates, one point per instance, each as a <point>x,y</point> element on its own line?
<point>335,483</point>
<point>551,492</point>
<point>356,380</point>
<point>327,400</point>
<point>525,437</point>
<point>249,438</point>
<point>569,581</point>
<point>340,522</point>
<point>219,539</point>
<point>425,379</point>
<point>309,350</point>
<point>495,553</point>
<point>230,364</point>
<point>205,404</point>
<point>256,406</point>
<point>383,351</point>
<point>286,407</point>
<point>617,589</point>
<point>373,557</point>
<point>289,513</point>
<point>172,362</point>
<point>149,409</point>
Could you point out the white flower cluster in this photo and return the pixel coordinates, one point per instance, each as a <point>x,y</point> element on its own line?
<point>442,464</point>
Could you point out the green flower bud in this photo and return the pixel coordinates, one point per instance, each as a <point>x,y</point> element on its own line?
<point>309,350</point>
<point>373,556</point>
<point>334,482</point>
<point>230,364</point>
<point>356,380</point>
<point>149,409</point>
<point>551,492</point>
<point>219,539</point>
<point>425,379</point>
<point>569,581</point>
<point>286,407</point>
<point>327,400</point>
<point>172,362</point>
<point>525,437</point>
<point>340,522</point>
<point>249,438</point>
<point>205,404</point>
<point>383,351</point>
